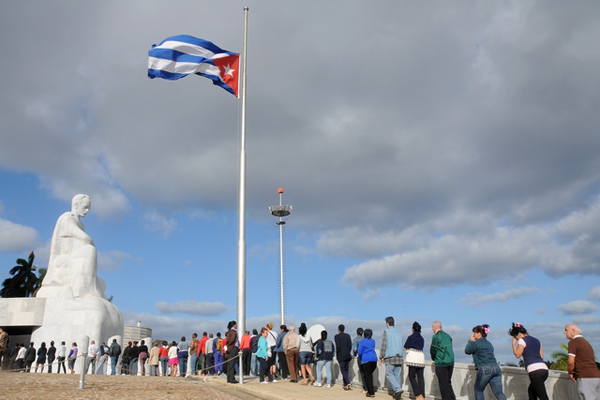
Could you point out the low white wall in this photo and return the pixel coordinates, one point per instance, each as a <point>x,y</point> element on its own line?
<point>514,382</point>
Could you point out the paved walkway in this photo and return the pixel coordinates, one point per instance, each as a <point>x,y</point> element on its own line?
<point>19,386</point>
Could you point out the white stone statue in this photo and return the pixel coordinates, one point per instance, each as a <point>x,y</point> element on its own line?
<point>73,258</point>
<point>73,294</point>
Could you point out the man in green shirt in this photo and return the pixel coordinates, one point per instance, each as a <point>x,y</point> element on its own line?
<point>443,356</point>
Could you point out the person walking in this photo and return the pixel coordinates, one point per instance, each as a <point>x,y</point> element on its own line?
<point>366,352</point>
<point>528,347</point>
<point>415,359</point>
<point>488,370</point>
<point>391,356</point>
<point>442,354</point>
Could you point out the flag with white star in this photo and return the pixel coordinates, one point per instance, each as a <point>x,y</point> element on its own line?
<point>178,56</point>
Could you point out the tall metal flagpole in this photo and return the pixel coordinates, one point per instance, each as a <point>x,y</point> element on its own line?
<point>241,294</point>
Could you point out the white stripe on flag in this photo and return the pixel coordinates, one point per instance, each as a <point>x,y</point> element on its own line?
<point>188,48</point>
<point>182,67</point>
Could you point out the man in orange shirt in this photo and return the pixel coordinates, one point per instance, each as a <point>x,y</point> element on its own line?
<point>202,353</point>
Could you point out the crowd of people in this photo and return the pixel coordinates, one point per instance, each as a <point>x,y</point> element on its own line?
<point>288,355</point>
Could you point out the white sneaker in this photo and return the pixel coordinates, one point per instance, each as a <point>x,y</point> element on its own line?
<point>317,384</point>
<point>328,385</point>
<point>265,382</point>
<point>274,381</point>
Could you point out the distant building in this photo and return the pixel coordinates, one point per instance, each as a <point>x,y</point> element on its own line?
<point>136,333</point>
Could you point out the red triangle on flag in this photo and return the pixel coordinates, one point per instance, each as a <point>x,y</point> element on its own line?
<point>229,67</point>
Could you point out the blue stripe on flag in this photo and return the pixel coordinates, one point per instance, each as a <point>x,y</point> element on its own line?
<point>159,73</point>
<point>196,42</point>
<point>170,54</point>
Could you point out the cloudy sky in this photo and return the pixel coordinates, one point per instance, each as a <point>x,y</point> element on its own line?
<point>442,159</point>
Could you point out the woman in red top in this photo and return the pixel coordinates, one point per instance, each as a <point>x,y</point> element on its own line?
<point>163,353</point>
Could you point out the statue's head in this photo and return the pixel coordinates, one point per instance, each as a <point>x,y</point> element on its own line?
<point>80,205</point>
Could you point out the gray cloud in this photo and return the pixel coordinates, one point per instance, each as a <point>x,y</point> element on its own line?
<point>478,299</point>
<point>192,308</point>
<point>433,144</point>
<point>577,307</point>
<point>594,294</point>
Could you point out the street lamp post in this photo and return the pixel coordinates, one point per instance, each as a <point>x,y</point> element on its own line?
<point>281,211</point>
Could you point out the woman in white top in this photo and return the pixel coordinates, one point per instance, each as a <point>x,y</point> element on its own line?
<point>61,356</point>
<point>272,342</point>
<point>173,361</point>
<point>305,349</point>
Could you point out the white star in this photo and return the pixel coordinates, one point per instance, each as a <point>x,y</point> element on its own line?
<point>228,71</point>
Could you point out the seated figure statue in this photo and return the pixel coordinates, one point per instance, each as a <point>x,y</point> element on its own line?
<point>73,257</point>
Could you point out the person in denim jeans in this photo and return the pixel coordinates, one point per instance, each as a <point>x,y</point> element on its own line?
<point>324,353</point>
<point>488,371</point>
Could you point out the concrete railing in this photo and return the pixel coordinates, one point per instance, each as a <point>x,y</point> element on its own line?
<point>514,382</point>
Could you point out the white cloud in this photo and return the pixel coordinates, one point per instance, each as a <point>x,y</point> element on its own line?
<point>577,307</point>
<point>192,308</point>
<point>594,294</point>
<point>113,260</point>
<point>15,237</point>
<point>479,299</point>
<point>587,320</point>
<point>157,222</point>
<point>453,259</point>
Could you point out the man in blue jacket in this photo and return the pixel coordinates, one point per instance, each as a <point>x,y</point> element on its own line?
<point>391,355</point>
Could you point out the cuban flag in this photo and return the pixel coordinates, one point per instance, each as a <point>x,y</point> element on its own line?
<point>178,56</point>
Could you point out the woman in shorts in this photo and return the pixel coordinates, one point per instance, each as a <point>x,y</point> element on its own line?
<point>305,349</point>
<point>173,361</point>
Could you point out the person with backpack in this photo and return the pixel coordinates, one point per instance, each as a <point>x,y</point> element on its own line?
<point>324,350</point>
<point>217,354</point>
